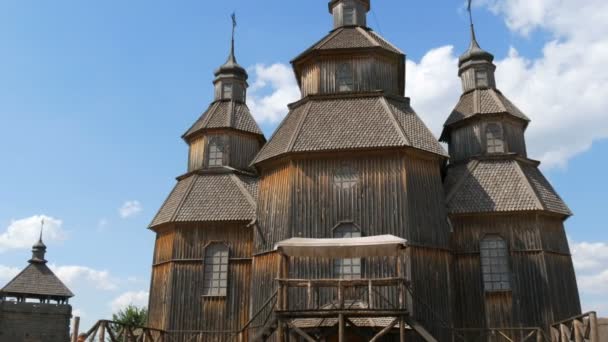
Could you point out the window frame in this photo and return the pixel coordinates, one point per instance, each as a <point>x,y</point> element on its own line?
<point>345,80</point>
<point>492,145</point>
<point>349,20</point>
<point>496,274</point>
<point>219,144</point>
<point>219,291</point>
<point>340,180</point>
<point>338,265</point>
<point>227,94</point>
<point>484,79</point>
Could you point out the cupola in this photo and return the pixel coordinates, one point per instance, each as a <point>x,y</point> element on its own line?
<point>231,78</point>
<point>349,12</point>
<point>475,67</point>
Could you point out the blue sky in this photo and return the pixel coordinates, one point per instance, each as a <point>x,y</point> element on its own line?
<point>94,97</point>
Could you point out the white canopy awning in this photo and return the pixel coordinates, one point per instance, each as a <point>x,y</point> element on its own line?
<point>369,246</point>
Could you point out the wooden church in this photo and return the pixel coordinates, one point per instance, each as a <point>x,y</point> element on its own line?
<point>352,223</point>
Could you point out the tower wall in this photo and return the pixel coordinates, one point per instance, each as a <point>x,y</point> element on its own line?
<point>34,322</point>
<point>540,263</point>
<point>395,192</point>
<point>177,302</point>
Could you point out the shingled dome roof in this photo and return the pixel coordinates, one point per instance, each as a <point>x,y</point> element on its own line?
<point>349,123</point>
<point>225,114</point>
<point>501,185</point>
<point>210,197</point>
<point>481,102</point>
<point>475,52</point>
<point>351,38</point>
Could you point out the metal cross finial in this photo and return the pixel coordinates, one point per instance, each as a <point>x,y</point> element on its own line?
<point>470,12</point>
<point>41,229</point>
<point>473,37</point>
<point>233,16</point>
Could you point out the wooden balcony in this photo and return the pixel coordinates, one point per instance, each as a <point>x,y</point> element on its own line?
<point>343,302</point>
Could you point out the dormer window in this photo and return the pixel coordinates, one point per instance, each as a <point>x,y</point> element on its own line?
<point>349,16</point>
<point>494,138</point>
<point>227,91</point>
<point>481,78</point>
<point>345,77</point>
<point>216,153</point>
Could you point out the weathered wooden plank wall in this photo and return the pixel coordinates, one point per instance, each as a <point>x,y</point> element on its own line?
<point>239,150</point>
<point>542,272</point>
<point>470,140</point>
<point>398,193</point>
<point>369,74</point>
<point>180,273</point>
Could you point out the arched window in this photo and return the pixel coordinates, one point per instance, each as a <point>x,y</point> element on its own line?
<point>494,138</point>
<point>216,153</point>
<point>346,177</point>
<point>345,77</point>
<point>495,264</point>
<point>347,268</point>
<point>215,281</point>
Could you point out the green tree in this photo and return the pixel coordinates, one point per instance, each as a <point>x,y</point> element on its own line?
<point>131,316</point>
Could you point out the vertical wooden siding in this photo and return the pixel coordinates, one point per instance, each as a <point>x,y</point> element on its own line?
<point>397,193</point>
<point>543,280</point>
<point>177,286</point>
<point>369,74</point>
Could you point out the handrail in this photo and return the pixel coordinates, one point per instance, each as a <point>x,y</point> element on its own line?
<point>581,327</point>
<point>262,308</point>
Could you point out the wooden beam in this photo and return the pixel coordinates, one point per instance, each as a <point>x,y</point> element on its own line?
<point>401,330</point>
<point>302,333</point>
<point>75,328</point>
<point>594,334</point>
<point>420,330</point>
<point>385,330</point>
<point>341,328</point>
<point>335,313</point>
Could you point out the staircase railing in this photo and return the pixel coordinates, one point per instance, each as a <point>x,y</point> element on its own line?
<point>529,334</point>
<point>110,331</point>
<point>579,328</point>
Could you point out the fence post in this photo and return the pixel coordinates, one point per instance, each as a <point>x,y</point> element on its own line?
<point>102,331</point>
<point>75,328</point>
<point>594,333</point>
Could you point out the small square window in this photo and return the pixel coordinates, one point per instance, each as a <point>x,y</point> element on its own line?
<point>481,78</point>
<point>349,16</point>
<point>227,89</point>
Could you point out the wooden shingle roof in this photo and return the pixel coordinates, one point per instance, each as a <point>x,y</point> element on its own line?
<point>505,184</point>
<point>209,197</point>
<point>349,123</point>
<point>37,280</point>
<point>481,102</point>
<point>225,114</point>
<point>351,37</point>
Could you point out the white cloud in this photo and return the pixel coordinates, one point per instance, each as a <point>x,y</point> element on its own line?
<point>79,313</point>
<point>7,274</point>
<point>433,87</point>
<point>562,91</point>
<point>591,264</point>
<point>139,299</point>
<point>130,209</point>
<point>23,233</point>
<point>79,275</point>
<point>274,87</point>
